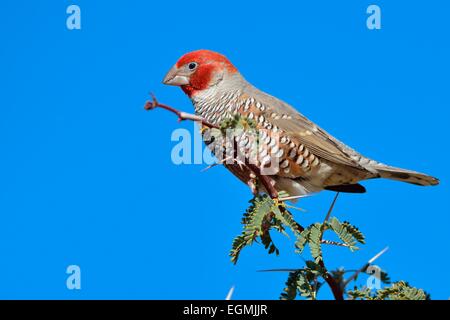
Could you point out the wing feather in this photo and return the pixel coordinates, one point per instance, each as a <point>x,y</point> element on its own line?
<point>317,140</point>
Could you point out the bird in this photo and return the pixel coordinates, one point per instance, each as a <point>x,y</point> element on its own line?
<point>308,159</point>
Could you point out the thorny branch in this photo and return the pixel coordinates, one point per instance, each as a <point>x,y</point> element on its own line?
<point>153,104</point>
<point>336,288</point>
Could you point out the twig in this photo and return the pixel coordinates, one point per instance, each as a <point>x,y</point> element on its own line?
<point>153,104</point>
<point>336,288</point>
<point>372,260</point>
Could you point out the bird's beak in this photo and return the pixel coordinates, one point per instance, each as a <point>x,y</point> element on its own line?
<point>175,77</point>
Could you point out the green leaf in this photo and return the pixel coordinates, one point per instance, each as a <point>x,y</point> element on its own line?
<point>343,232</point>
<point>305,285</point>
<point>400,290</point>
<point>302,282</point>
<point>286,218</point>
<point>290,290</point>
<point>302,240</point>
<point>360,294</point>
<point>257,221</point>
<point>315,238</point>
<point>355,232</point>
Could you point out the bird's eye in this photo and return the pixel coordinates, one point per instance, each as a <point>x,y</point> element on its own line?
<point>192,65</point>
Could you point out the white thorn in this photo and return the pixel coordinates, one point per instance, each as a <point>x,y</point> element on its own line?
<point>292,197</point>
<point>378,255</point>
<point>230,293</point>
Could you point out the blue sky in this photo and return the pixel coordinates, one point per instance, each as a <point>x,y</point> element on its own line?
<point>86,176</point>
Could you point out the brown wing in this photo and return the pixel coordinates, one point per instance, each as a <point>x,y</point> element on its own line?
<point>319,142</point>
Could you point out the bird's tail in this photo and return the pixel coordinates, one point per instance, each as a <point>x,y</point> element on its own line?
<point>404,175</point>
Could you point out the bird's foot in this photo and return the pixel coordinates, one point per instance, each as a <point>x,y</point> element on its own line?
<point>252,185</point>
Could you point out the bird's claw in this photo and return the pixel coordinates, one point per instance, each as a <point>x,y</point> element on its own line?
<point>252,185</point>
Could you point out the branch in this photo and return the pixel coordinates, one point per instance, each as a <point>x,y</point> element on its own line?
<point>153,104</point>
<point>336,288</point>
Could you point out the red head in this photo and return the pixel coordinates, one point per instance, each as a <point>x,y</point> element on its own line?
<point>198,70</point>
